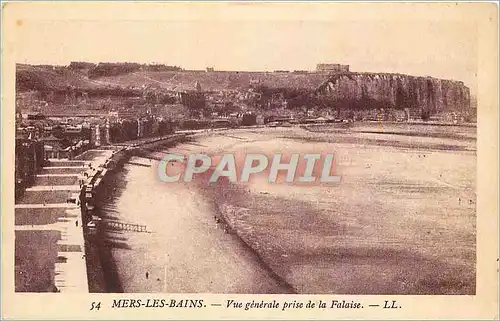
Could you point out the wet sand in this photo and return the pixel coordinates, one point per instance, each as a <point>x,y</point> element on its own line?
<point>185,251</point>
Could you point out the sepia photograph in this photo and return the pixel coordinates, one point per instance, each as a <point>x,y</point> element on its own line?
<point>214,154</point>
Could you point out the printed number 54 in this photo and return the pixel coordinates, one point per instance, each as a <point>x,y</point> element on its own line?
<point>95,306</point>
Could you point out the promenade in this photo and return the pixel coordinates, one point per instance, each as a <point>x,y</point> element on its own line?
<point>50,246</point>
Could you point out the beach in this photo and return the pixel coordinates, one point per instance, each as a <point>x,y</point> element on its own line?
<point>401,221</point>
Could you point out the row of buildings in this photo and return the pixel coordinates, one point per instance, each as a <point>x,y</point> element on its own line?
<point>40,139</point>
<point>29,160</point>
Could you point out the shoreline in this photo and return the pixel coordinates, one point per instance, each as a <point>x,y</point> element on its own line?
<point>221,214</point>
<point>108,259</point>
<point>108,280</point>
<point>219,210</point>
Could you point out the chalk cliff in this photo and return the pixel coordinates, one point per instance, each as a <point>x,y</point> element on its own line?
<point>396,91</point>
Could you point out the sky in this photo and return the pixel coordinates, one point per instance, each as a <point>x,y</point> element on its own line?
<point>439,46</point>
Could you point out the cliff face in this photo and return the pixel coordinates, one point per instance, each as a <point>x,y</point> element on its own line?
<point>359,90</point>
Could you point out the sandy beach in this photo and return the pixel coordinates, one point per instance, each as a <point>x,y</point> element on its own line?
<point>402,220</point>
<point>185,250</point>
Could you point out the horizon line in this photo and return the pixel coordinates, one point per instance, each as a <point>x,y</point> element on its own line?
<point>182,69</point>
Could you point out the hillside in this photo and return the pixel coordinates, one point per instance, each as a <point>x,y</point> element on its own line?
<point>45,78</point>
<point>348,90</point>
<point>59,78</point>
<point>217,80</point>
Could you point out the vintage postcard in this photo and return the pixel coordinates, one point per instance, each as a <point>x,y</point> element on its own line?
<point>181,160</point>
